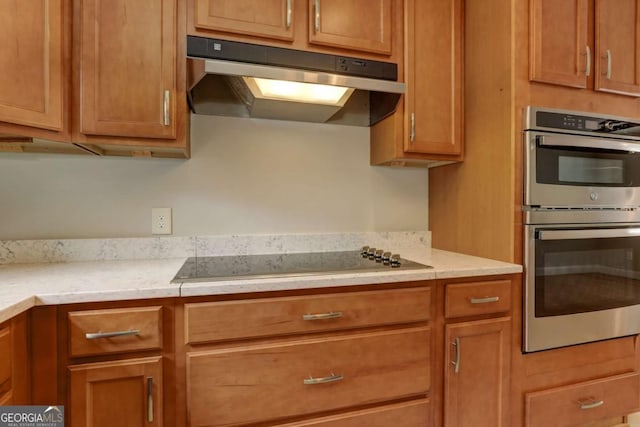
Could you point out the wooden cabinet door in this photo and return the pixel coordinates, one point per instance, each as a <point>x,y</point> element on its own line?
<point>126,393</point>
<point>363,25</point>
<point>265,18</point>
<point>433,122</point>
<point>6,364</point>
<point>127,68</point>
<point>477,373</point>
<point>559,51</point>
<point>617,34</point>
<point>31,63</point>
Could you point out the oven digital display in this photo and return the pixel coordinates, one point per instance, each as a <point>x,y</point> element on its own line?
<point>591,124</point>
<point>590,170</point>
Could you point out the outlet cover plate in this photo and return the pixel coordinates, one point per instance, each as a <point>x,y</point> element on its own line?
<point>160,220</point>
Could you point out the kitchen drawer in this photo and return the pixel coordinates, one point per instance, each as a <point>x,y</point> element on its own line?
<point>228,320</point>
<point>115,330</point>
<point>406,414</point>
<point>470,299</point>
<point>5,358</point>
<point>578,404</point>
<point>268,382</point>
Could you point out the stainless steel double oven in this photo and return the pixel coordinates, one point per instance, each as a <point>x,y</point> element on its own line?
<point>582,228</point>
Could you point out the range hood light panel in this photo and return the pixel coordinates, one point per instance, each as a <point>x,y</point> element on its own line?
<point>310,93</point>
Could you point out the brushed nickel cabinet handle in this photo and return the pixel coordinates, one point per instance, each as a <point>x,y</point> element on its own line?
<point>588,70</point>
<point>330,379</point>
<point>98,335</point>
<point>322,316</point>
<point>485,300</point>
<point>167,108</point>
<point>607,56</point>
<point>412,133</point>
<point>317,7</point>
<point>150,399</point>
<point>288,14</point>
<point>456,362</point>
<point>591,405</point>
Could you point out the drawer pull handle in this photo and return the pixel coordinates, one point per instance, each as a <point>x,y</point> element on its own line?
<point>456,362</point>
<point>322,316</point>
<point>591,405</point>
<point>330,379</point>
<point>98,335</point>
<point>150,399</point>
<point>484,300</point>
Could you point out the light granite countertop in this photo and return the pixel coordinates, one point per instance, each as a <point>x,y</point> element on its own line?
<point>23,286</point>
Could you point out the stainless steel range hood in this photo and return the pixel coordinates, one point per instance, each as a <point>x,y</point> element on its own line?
<point>226,79</point>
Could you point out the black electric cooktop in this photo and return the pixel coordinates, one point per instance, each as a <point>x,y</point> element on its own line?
<point>218,268</point>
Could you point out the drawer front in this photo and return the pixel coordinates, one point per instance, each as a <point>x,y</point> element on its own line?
<point>272,381</point>
<point>94,332</point>
<point>409,414</point>
<point>578,404</point>
<point>5,359</point>
<point>470,299</point>
<point>219,321</point>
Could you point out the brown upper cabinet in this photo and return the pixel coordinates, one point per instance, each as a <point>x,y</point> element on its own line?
<point>586,44</point>
<point>105,76</point>
<point>127,68</point>
<point>362,25</point>
<point>429,126</point>
<point>362,28</point>
<point>272,19</point>
<point>32,63</point>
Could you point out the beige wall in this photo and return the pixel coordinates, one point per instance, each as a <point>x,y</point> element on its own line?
<point>245,176</point>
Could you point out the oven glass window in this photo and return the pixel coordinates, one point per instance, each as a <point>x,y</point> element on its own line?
<point>585,170</point>
<point>584,275</point>
<point>587,167</point>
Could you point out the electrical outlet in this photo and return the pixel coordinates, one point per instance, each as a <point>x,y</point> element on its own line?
<point>160,220</point>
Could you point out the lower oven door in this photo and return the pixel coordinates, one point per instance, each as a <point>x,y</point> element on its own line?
<point>582,284</point>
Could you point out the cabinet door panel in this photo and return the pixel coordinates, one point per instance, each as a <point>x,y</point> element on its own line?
<point>117,393</point>
<point>127,60</point>
<point>617,44</point>
<point>558,42</point>
<point>363,25</point>
<point>6,363</point>
<point>481,383</point>
<point>434,65</point>
<point>31,63</point>
<point>265,18</point>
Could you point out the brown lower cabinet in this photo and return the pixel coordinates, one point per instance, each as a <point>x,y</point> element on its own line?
<point>123,393</point>
<point>476,388</point>
<point>336,358</point>
<point>442,353</point>
<point>14,361</point>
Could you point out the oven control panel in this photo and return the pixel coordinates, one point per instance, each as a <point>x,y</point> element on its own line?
<point>568,121</point>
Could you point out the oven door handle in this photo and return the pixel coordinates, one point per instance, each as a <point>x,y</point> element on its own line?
<point>601,233</point>
<point>587,142</point>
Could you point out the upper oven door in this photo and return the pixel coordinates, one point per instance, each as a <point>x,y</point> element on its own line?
<point>580,171</point>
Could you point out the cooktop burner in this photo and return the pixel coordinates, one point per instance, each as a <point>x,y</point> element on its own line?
<point>218,268</point>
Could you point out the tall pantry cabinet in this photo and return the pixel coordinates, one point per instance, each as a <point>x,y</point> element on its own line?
<point>561,54</point>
